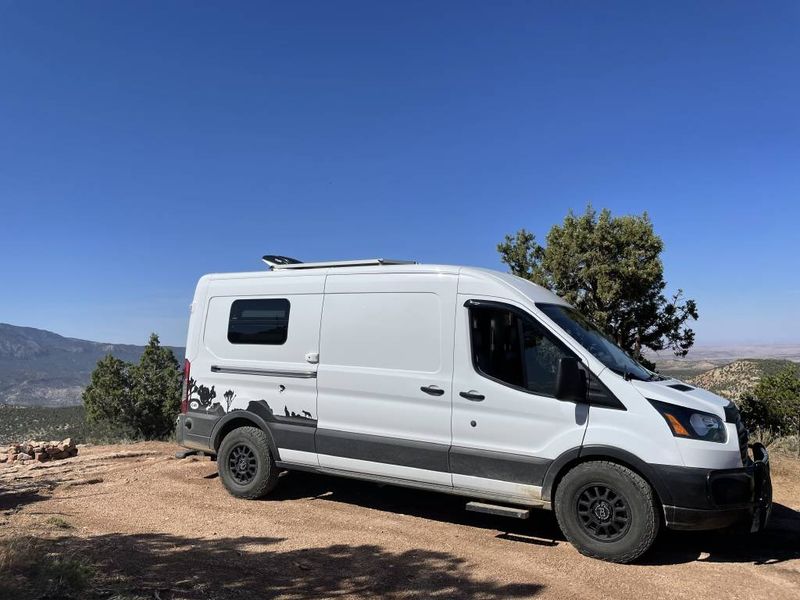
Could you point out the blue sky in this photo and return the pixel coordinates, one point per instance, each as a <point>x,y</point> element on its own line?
<point>143,144</point>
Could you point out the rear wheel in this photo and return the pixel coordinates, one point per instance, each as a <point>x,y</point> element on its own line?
<point>245,463</point>
<point>607,511</point>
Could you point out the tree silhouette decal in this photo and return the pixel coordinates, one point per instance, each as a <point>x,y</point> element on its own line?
<point>206,396</point>
<point>229,396</point>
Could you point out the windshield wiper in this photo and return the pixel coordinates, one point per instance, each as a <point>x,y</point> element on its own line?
<point>629,375</point>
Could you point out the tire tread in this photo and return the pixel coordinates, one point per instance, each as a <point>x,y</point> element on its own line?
<point>260,440</point>
<point>651,526</point>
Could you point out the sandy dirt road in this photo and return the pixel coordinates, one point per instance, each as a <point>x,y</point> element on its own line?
<point>159,527</point>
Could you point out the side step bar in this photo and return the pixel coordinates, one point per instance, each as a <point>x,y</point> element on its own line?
<point>496,509</point>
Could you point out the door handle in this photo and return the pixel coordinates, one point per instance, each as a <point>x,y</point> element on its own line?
<point>472,395</point>
<point>432,390</point>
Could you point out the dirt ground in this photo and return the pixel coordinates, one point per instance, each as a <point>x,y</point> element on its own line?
<point>159,527</point>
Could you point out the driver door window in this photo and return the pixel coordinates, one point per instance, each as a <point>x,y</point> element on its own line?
<point>514,349</point>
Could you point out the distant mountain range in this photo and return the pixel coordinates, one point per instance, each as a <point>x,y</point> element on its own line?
<point>42,368</point>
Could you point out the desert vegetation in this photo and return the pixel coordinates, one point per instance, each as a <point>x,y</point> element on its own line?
<point>20,423</point>
<point>768,395</point>
<point>139,400</point>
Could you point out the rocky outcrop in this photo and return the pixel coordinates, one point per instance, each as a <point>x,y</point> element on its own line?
<point>38,451</point>
<point>740,377</point>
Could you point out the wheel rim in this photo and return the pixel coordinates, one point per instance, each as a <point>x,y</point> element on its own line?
<point>603,513</point>
<point>243,464</point>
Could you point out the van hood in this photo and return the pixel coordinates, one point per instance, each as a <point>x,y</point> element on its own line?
<point>677,392</point>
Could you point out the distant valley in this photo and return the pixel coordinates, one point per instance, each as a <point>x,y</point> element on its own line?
<point>42,368</point>
<point>729,371</point>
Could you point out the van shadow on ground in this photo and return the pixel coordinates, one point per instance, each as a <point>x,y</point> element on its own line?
<point>169,567</point>
<point>780,542</point>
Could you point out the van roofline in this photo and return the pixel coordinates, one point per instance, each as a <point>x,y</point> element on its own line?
<point>516,285</point>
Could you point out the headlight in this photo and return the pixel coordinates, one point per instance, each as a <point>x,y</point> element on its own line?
<point>693,424</point>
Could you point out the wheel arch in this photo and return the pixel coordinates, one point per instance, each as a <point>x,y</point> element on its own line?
<point>575,456</point>
<point>242,418</point>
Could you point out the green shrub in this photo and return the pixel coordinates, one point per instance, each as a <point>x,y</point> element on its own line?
<point>774,404</point>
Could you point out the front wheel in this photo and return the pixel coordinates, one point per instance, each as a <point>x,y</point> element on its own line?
<point>607,511</point>
<point>245,463</point>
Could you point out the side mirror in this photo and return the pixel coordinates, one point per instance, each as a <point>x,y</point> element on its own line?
<point>571,385</point>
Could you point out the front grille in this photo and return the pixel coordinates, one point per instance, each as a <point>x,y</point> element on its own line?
<point>732,416</point>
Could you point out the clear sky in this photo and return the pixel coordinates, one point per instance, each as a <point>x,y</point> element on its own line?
<point>143,144</point>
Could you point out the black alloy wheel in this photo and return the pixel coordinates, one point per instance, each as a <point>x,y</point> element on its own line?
<point>607,511</point>
<point>246,464</point>
<point>603,513</point>
<point>243,464</point>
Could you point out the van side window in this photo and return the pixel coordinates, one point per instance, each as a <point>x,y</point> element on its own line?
<point>514,349</point>
<point>264,321</point>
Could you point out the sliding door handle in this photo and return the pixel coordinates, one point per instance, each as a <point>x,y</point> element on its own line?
<point>432,390</point>
<point>472,395</point>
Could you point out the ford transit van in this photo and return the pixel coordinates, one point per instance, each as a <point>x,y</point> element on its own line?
<point>460,380</point>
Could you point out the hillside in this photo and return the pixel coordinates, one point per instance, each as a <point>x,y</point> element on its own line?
<point>705,358</point>
<point>42,368</point>
<point>740,376</point>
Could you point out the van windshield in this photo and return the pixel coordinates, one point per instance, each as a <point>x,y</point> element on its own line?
<point>596,342</point>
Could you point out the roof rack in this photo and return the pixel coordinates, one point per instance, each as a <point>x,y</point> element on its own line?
<point>280,263</point>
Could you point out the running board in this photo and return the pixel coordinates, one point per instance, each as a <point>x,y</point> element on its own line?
<point>496,509</point>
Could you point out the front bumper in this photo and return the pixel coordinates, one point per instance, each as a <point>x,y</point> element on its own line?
<point>739,498</point>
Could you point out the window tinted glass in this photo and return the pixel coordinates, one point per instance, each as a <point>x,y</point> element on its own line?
<point>514,349</point>
<point>595,341</point>
<point>264,321</point>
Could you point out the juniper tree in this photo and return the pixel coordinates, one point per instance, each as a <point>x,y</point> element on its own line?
<point>140,400</point>
<point>610,269</point>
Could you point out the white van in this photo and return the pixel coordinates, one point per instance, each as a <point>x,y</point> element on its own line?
<point>460,380</point>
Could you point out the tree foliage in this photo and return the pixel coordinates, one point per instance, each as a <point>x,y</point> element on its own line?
<point>141,399</point>
<point>610,269</point>
<point>774,403</point>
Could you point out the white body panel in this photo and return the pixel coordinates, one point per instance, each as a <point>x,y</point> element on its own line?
<point>383,337</point>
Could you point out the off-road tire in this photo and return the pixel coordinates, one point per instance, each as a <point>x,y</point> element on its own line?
<point>259,478</point>
<point>576,521</point>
